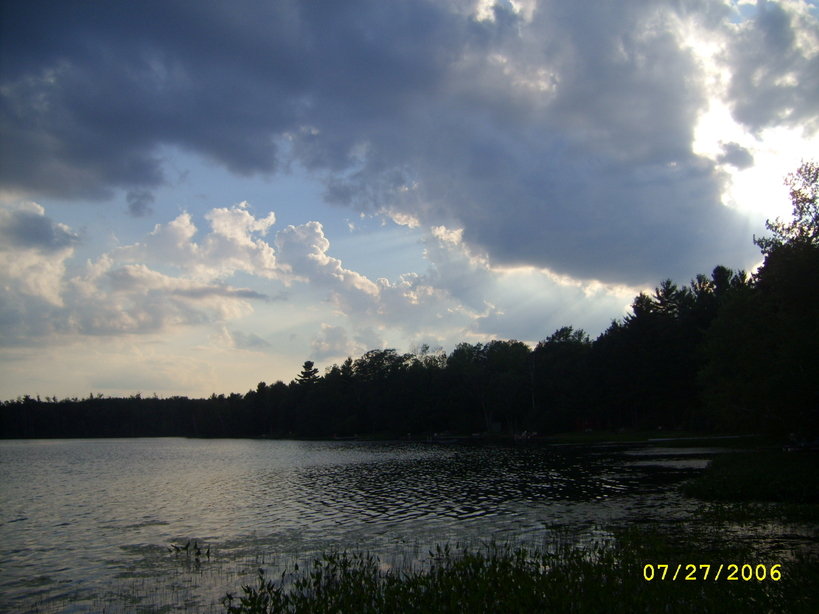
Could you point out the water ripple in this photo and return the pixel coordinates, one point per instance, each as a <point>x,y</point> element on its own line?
<point>86,517</point>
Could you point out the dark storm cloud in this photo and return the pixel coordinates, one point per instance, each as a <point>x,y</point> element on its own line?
<point>736,155</point>
<point>90,90</point>
<point>775,76</point>
<point>563,141</point>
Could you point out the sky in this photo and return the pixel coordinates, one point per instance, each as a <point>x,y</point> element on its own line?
<point>199,196</point>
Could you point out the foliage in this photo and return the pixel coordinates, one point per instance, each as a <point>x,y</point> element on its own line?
<point>502,579</point>
<point>803,229</point>
<point>309,374</point>
<point>761,354</point>
<point>773,476</point>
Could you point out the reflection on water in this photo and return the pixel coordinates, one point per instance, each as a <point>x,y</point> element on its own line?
<point>90,522</point>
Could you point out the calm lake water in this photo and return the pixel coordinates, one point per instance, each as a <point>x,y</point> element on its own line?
<point>87,525</point>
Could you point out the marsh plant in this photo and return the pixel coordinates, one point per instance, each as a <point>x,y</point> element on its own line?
<point>605,578</point>
<point>760,476</point>
<point>191,549</point>
<point>191,554</point>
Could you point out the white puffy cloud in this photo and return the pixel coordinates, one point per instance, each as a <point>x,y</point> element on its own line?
<point>235,243</point>
<point>303,252</point>
<point>33,251</point>
<point>113,295</point>
<point>134,299</point>
<point>413,306</point>
<point>237,224</point>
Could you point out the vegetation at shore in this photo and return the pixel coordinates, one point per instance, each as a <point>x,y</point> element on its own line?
<point>610,578</point>
<point>763,485</point>
<point>763,476</point>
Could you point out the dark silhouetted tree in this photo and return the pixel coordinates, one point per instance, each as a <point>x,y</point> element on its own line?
<point>309,374</point>
<point>803,229</point>
<point>560,380</point>
<point>762,352</point>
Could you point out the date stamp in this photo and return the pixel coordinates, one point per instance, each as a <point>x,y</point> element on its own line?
<point>731,572</point>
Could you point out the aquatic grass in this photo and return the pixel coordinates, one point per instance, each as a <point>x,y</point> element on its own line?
<point>605,578</point>
<point>750,512</point>
<point>192,554</point>
<point>764,476</point>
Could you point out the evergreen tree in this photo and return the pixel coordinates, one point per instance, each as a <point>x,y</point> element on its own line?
<point>309,374</point>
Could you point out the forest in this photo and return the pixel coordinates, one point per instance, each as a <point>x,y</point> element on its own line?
<point>728,352</point>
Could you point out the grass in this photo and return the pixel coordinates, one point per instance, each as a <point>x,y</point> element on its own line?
<point>762,476</point>
<point>501,579</point>
<point>752,487</point>
<point>751,512</point>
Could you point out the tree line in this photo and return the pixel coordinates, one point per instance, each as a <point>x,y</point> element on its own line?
<point>728,351</point>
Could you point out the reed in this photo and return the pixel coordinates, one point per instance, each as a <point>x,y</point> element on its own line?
<point>604,578</point>
<point>768,476</point>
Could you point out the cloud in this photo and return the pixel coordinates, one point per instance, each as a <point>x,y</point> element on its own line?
<point>240,340</point>
<point>154,298</point>
<point>139,202</point>
<point>461,296</point>
<point>134,299</point>
<point>303,252</point>
<point>414,304</point>
<point>736,155</point>
<point>27,227</point>
<point>236,224</point>
<point>774,60</point>
<point>555,135</point>
<point>33,252</point>
<point>216,291</point>
<point>235,243</point>
<point>522,303</point>
<point>332,342</point>
<point>563,142</point>
<point>118,295</point>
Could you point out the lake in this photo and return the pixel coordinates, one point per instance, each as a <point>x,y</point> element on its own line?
<point>87,524</point>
